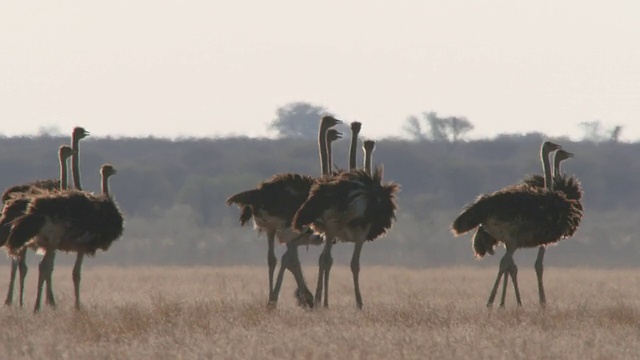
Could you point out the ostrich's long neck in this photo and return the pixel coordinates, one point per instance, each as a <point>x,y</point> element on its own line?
<point>329,157</point>
<point>63,173</point>
<point>548,183</point>
<point>322,147</point>
<point>105,185</point>
<point>368,155</point>
<point>75,162</point>
<point>557,170</point>
<point>353,150</point>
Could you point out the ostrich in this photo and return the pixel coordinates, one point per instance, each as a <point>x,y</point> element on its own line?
<point>70,221</point>
<point>272,206</point>
<point>15,201</point>
<point>521,216</point>
<point>290,259</point>
<point>571,187</point>
<point>354,206</point>
<point>484,243</point>
<point>325,260</point>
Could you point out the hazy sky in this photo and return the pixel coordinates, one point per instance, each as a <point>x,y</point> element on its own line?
<point>204,68</point>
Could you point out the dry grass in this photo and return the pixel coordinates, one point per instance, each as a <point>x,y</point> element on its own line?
<point>189,313</point>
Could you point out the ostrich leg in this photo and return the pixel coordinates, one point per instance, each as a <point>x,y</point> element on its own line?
<point>271,260</point>
<point>355,271</point>
<point>539,269</point>
<point>76,275</point>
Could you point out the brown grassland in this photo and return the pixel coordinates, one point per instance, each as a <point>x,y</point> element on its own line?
<point>220,313</point>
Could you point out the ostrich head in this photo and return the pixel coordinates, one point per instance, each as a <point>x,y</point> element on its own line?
<point>563,155</point>
<point>65,152</point>
<point>333,135</point>
<point>329,121</point>
<point>548,147</point>
<point>355,127</point>
<point>80,133</point>
<point>369,145</point>
<point>107,170</point>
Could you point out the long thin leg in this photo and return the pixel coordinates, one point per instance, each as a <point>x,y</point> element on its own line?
<point>325,262</point>
<point>76,275</point>
<point>45,269</point>
<point>505,262</point>
<point>22,267</point>
<point>355,271</point>
<point>513,271</point>
<point>328,263</point>
<point>505,282</point>
<point>271,258</point>
<point>12,279</point>
<point>303,294</point>
<point>539,270</point>
<point>275,293</point>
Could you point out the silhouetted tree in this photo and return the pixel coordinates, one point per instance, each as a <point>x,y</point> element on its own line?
<point>298,119</point>
<point>595,131</point>
<point>447,129</point>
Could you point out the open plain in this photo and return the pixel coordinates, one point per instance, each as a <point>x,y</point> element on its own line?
<point>220,313</point>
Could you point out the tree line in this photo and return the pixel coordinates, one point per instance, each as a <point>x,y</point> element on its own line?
<point>173,192</point>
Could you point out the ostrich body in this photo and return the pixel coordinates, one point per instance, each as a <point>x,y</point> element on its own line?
<point>71,221</point>
<point>272,206</point>
<point>325,260</point>
<point>484,243</point>
<point>520,216</point>
<point>353,207</point>
<point>15,201</point>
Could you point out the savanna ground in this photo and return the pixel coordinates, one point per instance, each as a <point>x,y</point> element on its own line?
<point>220,313</point>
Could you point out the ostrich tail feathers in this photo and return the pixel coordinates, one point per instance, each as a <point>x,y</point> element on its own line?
<point>483,243</point>
<point>249,197</point>
<point>470,218</point>
<point>245,214</point>
<point>23,229</point>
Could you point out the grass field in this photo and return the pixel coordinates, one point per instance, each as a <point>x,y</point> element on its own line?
<point>220,313</point>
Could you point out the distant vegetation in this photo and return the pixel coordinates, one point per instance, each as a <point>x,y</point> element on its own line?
<point>173,192</point>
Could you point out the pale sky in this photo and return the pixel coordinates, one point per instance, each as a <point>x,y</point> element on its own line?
<point>214,68</point>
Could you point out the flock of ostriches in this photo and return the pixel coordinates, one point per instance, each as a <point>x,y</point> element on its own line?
<point>342,205</point>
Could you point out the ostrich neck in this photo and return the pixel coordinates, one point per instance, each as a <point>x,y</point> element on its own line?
<point>105,185</point>
<point>367,160</point>
<point>353,150</point>
<point>322,147</point>
<point>329,157</point>
<point>75,160</point>
<point>548,184</point>
<point>557,170</point>
<point>63,173</point>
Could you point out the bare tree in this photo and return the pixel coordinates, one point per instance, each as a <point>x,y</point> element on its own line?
<point>445,129</point>
<point>596,132</point>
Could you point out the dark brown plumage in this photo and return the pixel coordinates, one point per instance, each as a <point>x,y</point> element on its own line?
<point>86,223</point>
<point>519,216</point>
<point>355,199</point>
<point>541,217</point>
<point>30,188</point>
<point>280,196</point>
